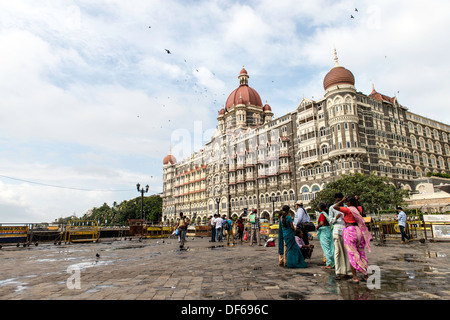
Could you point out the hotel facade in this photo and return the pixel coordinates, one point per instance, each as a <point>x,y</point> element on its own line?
<point>257,161</point>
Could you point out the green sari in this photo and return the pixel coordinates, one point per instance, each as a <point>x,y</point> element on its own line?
<point>286,236</point>
<point>325,236</point>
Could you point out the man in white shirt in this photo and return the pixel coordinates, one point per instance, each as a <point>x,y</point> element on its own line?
<point>342,264</point>
<point>219,222</point>
<point>213,228</point>
<point>401,217</point>
<point>301,216</point>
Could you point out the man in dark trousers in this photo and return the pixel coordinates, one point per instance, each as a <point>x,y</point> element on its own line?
<point>301,217</point>
<point>182,227</point>
<point>213,228</point>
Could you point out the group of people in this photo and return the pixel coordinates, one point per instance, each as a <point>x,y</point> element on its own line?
<point>221,226</point>
<point>341,231</point>
<point>235,230</point>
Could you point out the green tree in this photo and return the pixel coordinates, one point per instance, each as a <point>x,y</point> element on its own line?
<point>127,209</point>
<point>375,193</point>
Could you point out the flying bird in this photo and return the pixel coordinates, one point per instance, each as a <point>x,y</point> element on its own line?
<point>356,10</point>
<point>97,255</point>
<point>168,51</point>
<point>352,17</point>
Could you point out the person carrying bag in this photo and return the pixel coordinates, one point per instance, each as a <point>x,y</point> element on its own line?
<point>303,222</point>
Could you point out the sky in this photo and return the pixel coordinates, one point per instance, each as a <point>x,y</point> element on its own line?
<point>91,101</point>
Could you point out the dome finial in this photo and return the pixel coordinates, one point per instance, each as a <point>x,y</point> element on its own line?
<point>336,63</point>
<point>243,77</point>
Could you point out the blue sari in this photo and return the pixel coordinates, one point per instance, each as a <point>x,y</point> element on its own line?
<point>287,236</point>
<point>325,236</point>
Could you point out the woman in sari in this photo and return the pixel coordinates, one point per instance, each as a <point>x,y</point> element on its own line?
<point>325,235</point>
<point>290,253</point>
<point>356,236</point>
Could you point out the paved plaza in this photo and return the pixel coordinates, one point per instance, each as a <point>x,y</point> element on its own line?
<point>155,269</point>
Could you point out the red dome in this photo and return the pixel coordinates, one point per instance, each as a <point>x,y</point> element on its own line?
<point>338,75</point>
<point>169,158</point>
<point>243,95</point>
<point>267,108</point>
<point>221,112</point>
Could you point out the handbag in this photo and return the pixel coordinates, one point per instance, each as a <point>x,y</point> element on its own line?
<point>308,226</point>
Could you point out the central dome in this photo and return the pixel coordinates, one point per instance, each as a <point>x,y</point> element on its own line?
<point>338,75</point>
<point>243,94</point>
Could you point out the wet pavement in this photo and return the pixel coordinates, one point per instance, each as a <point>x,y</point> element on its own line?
<point>156,269</point>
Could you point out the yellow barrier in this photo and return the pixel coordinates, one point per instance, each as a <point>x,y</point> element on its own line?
<point>158,231</point>
<point>273,231</point>
<point>13,234</point>
<point>389,229</point>
<point>81,231</point>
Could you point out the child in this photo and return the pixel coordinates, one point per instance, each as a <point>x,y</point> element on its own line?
<point>245,235</point>
<point>306,250</point>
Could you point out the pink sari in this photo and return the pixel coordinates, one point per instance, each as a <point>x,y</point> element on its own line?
<point>356,239</point>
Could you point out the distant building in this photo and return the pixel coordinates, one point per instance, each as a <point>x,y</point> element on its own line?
<point>256,161</point>
<point>430,195</point>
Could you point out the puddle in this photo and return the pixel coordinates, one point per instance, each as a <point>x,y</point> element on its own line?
<point>292,296</point>
<point>99,288</point>
<point>84,265</point>
<point>129,247</point>
<point>20,286</point>
<point>200,248</point>
<point>407,258</point>
<point>434,254</point>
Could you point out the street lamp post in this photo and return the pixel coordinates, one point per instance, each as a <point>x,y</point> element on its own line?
<point>218,200</point>
<point>138,186</point>
<point>273,207</point>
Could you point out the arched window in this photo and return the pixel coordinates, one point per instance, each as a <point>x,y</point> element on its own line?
<point>306,194</point>
<point>291,195</point>
<point>425,159</point>
<point>413,141</point>
<point>315,189</point>
<point>441,163</point>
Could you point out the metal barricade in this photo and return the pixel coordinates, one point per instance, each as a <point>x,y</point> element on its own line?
<point>81,231</point>
<point>13,235</point>
<point>388,229</point>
